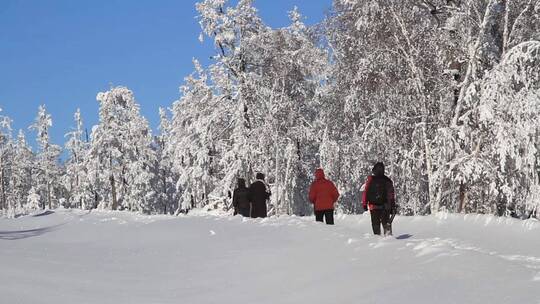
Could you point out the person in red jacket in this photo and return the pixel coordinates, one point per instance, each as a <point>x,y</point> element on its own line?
<point>380,199</point>
<point>323,194</point>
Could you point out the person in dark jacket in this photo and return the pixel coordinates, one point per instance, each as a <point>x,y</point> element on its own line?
<point>241,202</point>
<point>379,198</point>
<point>259,193</point>
<point>323,194</point>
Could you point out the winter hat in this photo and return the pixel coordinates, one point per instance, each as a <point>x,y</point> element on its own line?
<point>319,174</point>
<point>241,183</point>
<point>378,169</point>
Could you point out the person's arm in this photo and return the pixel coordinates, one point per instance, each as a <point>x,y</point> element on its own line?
<point>312,194</point>
<point>364,194</point>
<point>250,193</point>
<point>235,199</point>
<point>390,194</point>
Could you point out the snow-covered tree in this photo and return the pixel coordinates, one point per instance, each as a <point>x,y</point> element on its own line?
<point>46,175</point>
<point>165,186</point>
<point>444,92</point>
<point>231,27</point>
<point>402,90</point>
<point>255,102</point>
<point>196,116</point>
<point>484,32</point>
<point>5,159</point>
<point>21,181</point>
<point>508,139</point>
<point>75,179</point>
<point>386,97</point>
<point>120,159</point>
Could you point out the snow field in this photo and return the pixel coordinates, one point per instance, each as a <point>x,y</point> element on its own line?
<point>72,256</point>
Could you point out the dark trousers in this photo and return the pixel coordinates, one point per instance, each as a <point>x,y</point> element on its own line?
<point>244,211</point>
<point>327,214</point>
<point>381,217</point>
<point>258,209</point>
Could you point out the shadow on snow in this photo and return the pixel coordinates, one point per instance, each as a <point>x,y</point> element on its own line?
<point>43,213</point>
<point>23,234</point>
<point>404,236</point>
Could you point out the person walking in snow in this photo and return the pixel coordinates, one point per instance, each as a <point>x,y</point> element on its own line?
<point>379,198</point>
<point>259,193</point>
<point>240,199</point>
<point>323,194</point>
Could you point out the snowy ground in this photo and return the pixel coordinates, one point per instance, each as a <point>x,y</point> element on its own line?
<point>67,256</point>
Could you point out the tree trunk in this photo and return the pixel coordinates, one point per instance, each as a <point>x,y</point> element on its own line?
<point>277,180</point>
<point>485,51</point>
<point>462,198</point>
<point>95,200</point>
<point>113,192</point>
<point>287,184</point>
<point>408,53</point>
<point>491,36</point>
<point>113,184</point>
<point>2,186</point>
<point>506,28</point>
<point>49,195</point>
<point>165,201</point>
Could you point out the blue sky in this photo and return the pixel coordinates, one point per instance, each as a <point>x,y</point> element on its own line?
<point>61,53</point>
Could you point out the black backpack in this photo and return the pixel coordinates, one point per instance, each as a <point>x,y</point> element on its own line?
<point>376,193</point>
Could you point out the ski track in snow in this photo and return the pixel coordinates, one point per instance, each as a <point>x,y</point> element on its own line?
<point>493,247</point>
